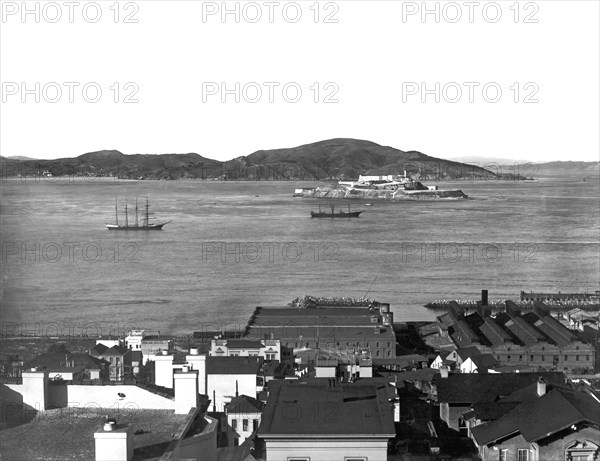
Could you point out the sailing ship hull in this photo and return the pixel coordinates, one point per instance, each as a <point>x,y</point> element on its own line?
<point>341,214</point>
<point>135,228</point>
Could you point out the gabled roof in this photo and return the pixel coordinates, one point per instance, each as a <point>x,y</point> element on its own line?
<point>468,352</point>
<point>468,388</point>
<point>115,351</point>
<point>484,361</point>
<point>540,418</point>
<point>58,360</point>
<point>98,349</point>
<point>244,404</point>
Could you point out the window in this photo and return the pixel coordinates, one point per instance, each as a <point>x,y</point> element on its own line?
<point>522,455</point>
<point>254,425</point>
<point>520,358</point>
<point>389,353</point>
<point>378,353</point>
<point>543,358</point>
<point>576,357</point>
<point>503,455</point>
<point>587,357</point>
<point>236,441</point>
<point>377,344</point>
<point>566,357</point>
<point>531,358</point>
<point>355,459</point>
<point>244,424</point>
<point>508,358</point>
<point>298,459</point>
<point>234,424</point>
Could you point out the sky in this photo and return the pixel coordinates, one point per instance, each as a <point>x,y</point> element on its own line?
<point>507,79</point>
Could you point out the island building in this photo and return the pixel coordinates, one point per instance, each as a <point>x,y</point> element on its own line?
<point>534,338</point>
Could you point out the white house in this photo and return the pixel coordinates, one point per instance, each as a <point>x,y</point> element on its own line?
<point>243,418</point>
<point>227,377</point>
<point>268,349</point>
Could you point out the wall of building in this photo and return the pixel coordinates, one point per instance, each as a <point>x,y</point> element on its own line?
<point>199,447</point>
<point>239,431</point>
<point>107,397</point>
<point>224,388</point>
<point>336,449</point>
<point>575,355</point>
<point>556,449</point>
<point>450,414</point>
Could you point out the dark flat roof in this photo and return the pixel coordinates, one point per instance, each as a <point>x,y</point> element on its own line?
<point>469,388</point>
<point>232,365</point>
<point>313,409</point>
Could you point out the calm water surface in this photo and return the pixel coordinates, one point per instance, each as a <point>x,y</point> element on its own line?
<point>233,246</point>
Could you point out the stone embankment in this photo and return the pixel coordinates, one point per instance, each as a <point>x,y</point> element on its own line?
<point>392,195</point>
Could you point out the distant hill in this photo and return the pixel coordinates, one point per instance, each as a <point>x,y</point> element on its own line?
<point>20,157</point>
<point>325,160</point>
<point>482,161</point>
<point>571,168</point>
<point>347,159</point>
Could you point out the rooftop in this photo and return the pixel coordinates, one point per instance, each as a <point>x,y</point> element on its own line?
<point>244,404</point>
<point>59,360</point>
<point>68,434</point>
<point>474,387</point>
<point>321,410</point>
<point>232,365</point>
<point>243,344</point>
<point>115,351</point>
<point>540,418</point>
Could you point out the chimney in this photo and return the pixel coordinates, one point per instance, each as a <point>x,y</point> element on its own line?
<point>198,362</point>
<point>114,442</point>
<point>186,390</point>
<point>163,369</point>
<point>444,371</point>
<point>236,388</point>
<point>484,297</point>
<point>35,388</point>
<point>541,386</point>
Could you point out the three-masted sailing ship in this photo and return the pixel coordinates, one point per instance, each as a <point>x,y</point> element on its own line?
<point>145,221</point>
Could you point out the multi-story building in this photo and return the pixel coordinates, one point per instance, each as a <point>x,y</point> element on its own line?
<point>337,328</point>
<point>148,345</point>
<point>317,422</point>
<point>119,360</point>
<point>532,339</point>
<point>243,418</point>
<point>560,424</point>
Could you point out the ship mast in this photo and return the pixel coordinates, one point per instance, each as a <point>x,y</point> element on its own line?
<point>116,213</point>
<point>136,213</point>
<point>126,217</point>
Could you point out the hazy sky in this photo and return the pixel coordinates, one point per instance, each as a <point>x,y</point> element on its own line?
<point>512,79</point>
